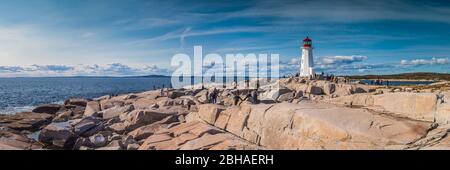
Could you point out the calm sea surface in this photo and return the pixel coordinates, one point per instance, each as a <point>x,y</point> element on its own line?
<point>22,94</point>
<point>401,83</point>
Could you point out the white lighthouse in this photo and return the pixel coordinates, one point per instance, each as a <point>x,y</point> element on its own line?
<point>307,62</point>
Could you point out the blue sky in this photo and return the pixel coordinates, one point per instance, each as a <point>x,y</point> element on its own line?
<point>133,37</point>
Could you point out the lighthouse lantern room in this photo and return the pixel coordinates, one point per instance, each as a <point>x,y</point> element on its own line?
<point>307,62</point>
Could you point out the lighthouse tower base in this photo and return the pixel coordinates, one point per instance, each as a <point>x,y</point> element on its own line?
<point>307,63</point>
<point>308,73</point>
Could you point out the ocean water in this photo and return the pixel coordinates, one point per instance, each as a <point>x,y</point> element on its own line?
<point>402,83</point>
<point>22,94</point>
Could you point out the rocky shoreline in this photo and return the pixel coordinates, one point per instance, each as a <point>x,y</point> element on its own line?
<point>301,114</point>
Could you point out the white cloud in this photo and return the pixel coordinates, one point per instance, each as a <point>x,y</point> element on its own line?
<point>432,61</point>
<point>340,60</point>
<point>326,63</point>
<point>338,65</point>
<point>113,69</point>
<point>295,60</point>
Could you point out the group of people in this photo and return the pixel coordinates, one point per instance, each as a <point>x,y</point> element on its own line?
<point>379,82</point>
<point>163,91</point>
<point>212,97</point>
<point>330,77</point>
<point>252,96</point>
<point>322,76</point>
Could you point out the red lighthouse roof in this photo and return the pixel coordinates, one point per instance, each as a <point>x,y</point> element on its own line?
<point>307,39</point>
<point>307,42</point>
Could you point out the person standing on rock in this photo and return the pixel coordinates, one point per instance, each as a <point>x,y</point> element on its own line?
<point>208,97</point>
<point>214,95</point>
<point>189,105</point>
<point>236,98</point>
<point>248,96</point>
<point>254,95</point>
<point>257,84</point>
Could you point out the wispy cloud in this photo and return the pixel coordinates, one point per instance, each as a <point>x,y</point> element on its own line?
<point>183,36</point>
<point>146,23</point>
<point>28,45</point>
<point>188,32</point>
<point>347,11</point>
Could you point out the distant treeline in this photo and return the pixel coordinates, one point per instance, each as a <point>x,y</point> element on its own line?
<point>410,76</point>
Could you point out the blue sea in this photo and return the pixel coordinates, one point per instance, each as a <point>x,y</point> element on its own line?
<point>22,94</point>
<point>400,83</point>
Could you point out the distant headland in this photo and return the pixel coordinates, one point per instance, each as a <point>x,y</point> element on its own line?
<point>407,76</point>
